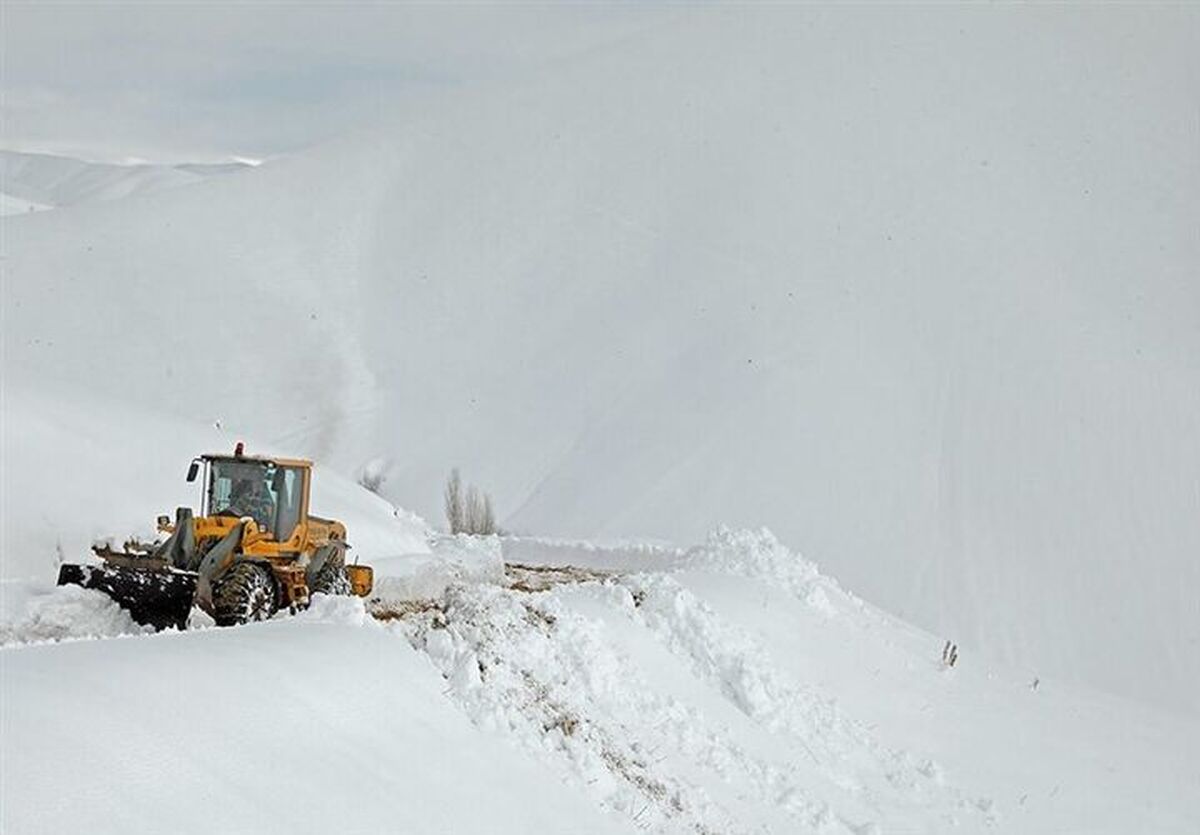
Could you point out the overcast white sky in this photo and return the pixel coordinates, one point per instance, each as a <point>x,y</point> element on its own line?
<point>197,81</point>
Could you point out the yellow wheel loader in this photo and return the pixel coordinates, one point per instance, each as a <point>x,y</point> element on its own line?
<point>253,550</point>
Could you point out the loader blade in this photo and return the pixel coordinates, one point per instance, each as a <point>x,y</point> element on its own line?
<point>162,599</point>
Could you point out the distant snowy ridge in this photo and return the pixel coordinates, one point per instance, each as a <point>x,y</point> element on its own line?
<point>10,205</point>
<point>47,180</point>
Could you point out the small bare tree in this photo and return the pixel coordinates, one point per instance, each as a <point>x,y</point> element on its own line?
<point>454,503</point>
<point>372,478</point>
<point>489,516</point>
<point>473,512</point>
<point>470,511</point>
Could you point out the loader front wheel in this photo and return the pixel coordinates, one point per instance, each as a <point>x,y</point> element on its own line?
<point>246,593</point>
<point>332,579</point>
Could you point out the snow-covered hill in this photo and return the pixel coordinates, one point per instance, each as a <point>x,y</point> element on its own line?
<point>46,180</point>
<point>15,205</point>
<point>925,307</point>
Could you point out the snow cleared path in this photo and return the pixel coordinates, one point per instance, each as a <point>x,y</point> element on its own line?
<point>730,689</point>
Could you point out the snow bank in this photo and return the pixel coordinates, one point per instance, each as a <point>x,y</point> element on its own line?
<point>760,555</point>
<point>336,609</point>
<point>190,732</point>
<point>708,697</point>
<point>451,560</point>
<point>554,671</point>
<point>61,613</point>
<point>630,556</point>
<point>1025,753</point>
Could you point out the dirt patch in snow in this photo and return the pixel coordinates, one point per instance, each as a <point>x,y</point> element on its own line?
<point>535,578</point>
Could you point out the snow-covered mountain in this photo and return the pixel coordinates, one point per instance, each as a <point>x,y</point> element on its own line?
<point>926,308</point>
<point>30,182</point>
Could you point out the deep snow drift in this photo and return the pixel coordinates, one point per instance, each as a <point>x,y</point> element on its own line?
<point>731,689</point>
<point>306,727</point>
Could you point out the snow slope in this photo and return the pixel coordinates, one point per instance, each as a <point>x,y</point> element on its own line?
<point>914,288</point>
<point>310,728</point>
<point>49,180</point>
<point>733,689</point>
<point>14,205</point>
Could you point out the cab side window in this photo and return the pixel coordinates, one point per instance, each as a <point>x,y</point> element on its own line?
<point>289,493</point>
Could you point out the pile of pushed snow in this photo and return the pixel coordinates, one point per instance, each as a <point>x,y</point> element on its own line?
<point>27,616</point>
<point>618,556</point>
<point>740,690</point>
<point>336,609</point>
<point>450,561</point>
<point>661,709</point>
<point>759,554</point>
<point>195,732</point>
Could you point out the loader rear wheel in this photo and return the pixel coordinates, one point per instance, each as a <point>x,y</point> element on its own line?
<point>246,593</point>
<point>332,579</point>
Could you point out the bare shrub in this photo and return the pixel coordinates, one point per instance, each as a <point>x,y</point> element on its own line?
<point>470,512</point>
<point>473,512</point>
<point>489,516</point>
<point>454,503</point>
<point>371,480</point>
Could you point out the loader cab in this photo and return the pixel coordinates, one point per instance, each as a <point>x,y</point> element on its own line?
<point>274,492</point>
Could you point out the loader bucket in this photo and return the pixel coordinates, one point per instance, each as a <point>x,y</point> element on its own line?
<point>162,599</point>
<point>362,578</point>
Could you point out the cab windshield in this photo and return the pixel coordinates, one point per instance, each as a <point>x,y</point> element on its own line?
<point>268,493</point>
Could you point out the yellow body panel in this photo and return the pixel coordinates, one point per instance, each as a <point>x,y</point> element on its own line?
<point>362,579</point>
<point>288,557</point>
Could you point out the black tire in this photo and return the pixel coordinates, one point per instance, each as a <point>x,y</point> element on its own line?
<point>246,593</point>
<point>331,579</point>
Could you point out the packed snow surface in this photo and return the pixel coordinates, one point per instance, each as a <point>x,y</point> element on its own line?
<point>731,689</point>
